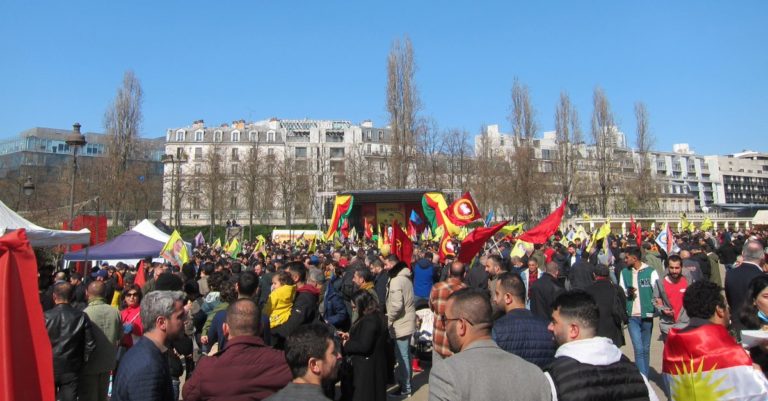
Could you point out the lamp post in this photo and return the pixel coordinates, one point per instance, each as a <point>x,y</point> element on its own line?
<point>28,188</point>
<point>74,141</point>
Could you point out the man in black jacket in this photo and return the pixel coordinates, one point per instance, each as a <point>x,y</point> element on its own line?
<point>580,276</point>
<point>71,340</point>
<point>545,290</point>
<point>611,301</point>
<point>737,280</point>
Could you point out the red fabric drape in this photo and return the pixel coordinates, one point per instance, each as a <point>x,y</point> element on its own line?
<point>26,359</point>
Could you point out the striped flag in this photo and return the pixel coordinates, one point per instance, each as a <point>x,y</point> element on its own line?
<point>706,363</point>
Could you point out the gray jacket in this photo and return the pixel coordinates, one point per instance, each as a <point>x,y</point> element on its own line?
<point>483,371</point>
<point>667,322</point>
<point>401,312</point>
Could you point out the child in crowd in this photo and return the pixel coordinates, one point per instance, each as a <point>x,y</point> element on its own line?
<point>280,302</point>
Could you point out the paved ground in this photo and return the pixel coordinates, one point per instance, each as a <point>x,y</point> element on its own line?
<point>420,382</point>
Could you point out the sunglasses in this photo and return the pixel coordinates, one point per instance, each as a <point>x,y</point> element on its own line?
<point>132,294</point>
<point>444,320</point>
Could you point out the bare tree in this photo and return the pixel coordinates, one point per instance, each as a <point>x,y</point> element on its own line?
<point>213,182</point>
<point>403,104</point>
<point>458,153</point>
<point>524,165</point>
<point>252,180</point>
<point>430,158</point>
<point>568,137</point>
<point>122,122</point>
<point>490,173</point>
<point>603,131</point>
<point>646,189</point>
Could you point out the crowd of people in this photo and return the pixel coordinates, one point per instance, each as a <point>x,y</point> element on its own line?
<point>346,320</point>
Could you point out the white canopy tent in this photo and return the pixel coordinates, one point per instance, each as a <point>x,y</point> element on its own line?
<point>40,236</point>
<point>148,229</point>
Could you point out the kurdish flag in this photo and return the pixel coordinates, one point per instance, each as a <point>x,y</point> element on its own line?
<point>434,205</point>
<point>175,251</point>
<point>706,363</point>
<point>341,208</point>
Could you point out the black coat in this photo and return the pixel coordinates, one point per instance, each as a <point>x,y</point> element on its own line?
<point>736,285</point>
<point>543,293</point>
<point>477,277</point>
<point>365,352</point>
<point>610,300</point>
<point>580,275</point>
<point>71,340</point>
<point>304,311</point>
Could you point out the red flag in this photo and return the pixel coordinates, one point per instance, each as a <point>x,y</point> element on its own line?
<point>463,211</point>
<point>446,247</point>
<point>634,229</point>
<point>412,234</point>
<point>474,241</point>
<point>140,279</point>
<point>541,233</point>
<point>402,247</point>
<point>27,369</point>
<point>368,229</point>
<point>345,229</point>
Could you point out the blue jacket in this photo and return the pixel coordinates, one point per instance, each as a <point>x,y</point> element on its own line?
<point>335,310</point>
<point>216,331</point>
<point>143,374</point>
<point>423,278</point>
<point>522,333</point>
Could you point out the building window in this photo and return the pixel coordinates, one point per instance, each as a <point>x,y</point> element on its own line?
<point>233,202</point>
<point>235,136</point>
<point>233,185</point>
<point>198,169</point>
<point>253,136</point>
<point>197,186</point>
<point>271,136</point>
<point>544,153</point>
<point>270,151</point>
<point>368,149</point>
<point>198,153</point>
<point>199,136</point>
<point>195,203</point>
<point>235,154</point>
<point>382,166</point>
<point>217,136</point>
<point>381,135</point>
<point>337,152</point>
<point>180,134</point>
<point>301,152</point>
<point>234,169</point>
<point>368,134</point>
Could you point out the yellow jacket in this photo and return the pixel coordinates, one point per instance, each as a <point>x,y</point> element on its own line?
<point>279,306</point>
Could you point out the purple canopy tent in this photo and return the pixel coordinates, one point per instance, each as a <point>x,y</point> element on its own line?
<point>129,245</point>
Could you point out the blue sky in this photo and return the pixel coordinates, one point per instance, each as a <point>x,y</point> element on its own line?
<point>701,67</point>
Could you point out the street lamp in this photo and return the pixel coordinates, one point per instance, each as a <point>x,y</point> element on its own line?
<point>29,187</point>
<point>74,141</point>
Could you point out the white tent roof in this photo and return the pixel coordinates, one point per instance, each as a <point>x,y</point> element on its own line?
<point>761,218</point>
<point>148,229</point>
<point>40,236</point>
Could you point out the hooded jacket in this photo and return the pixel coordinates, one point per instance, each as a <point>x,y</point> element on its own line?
<point>401,312</point>
<point>279,305</point>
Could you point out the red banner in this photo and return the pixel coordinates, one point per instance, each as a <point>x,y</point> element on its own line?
<point>27,369</point>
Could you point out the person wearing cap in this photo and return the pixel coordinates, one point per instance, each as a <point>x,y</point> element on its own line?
<point>610,300</point>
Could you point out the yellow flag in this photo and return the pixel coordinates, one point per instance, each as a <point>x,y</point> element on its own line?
<point>438,233</point>
<point>706,225</point>
<point>581,233</point>
<point>216,244</point>
<point>604,230</point>
<point>520,249</point>
<point>511,229</point>
<point>175,250</point>
<point>312,246</point>
<point>586,217</point>
<point>234,247</point>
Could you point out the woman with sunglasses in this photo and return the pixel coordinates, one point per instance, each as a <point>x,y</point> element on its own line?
<point>130,316</point>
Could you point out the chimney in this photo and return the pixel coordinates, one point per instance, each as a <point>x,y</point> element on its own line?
<point>367,124</point>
